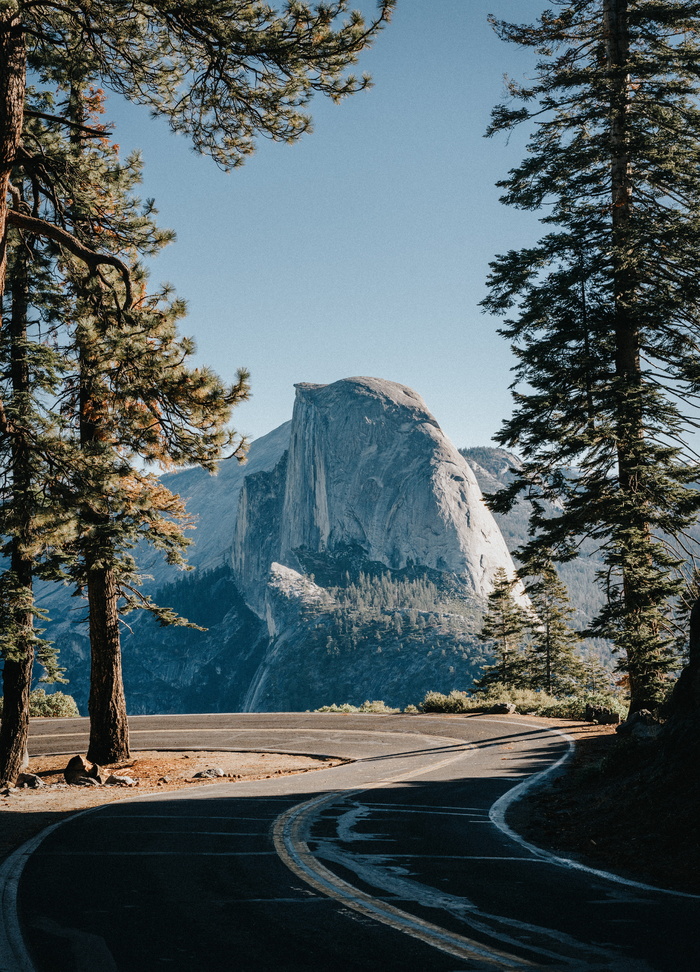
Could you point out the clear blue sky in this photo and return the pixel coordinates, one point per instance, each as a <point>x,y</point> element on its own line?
<point>362,249</point>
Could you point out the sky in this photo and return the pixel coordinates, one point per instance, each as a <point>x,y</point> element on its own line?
<point>362,249</point>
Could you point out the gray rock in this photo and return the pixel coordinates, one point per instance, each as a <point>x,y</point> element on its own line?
<point>30,780</point>
<point>642,724</point>
<point>502,708</point>
<point>368,468</point>
<point>212,773</point>
<point>115,780</point>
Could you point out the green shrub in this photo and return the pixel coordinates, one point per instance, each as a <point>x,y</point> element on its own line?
<point>574,706</point>
<point>53,706</point>
<point>454,702</point>
<point>377,707</point>
<point>526,701</point>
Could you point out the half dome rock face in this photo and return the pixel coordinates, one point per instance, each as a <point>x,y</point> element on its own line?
<point>368,470</point>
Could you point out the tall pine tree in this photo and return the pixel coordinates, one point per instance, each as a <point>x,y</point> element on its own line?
<point>553,664</point>
<point>135,399</point>
<point>504,625</point>
<point>604,312</point>
<point>127,396</point>
<point>221,71</point>
<point>33,455</point>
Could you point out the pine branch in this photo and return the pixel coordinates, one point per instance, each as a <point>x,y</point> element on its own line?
<point>93,259</point>
<point>83,129</point>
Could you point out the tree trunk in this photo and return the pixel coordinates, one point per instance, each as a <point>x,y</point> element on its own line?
<point>18,665</point>
<point>685,701</point>
<point>630,417</point>
<point>13,70</point>
<point>109,730</point>
<point>14,729</point>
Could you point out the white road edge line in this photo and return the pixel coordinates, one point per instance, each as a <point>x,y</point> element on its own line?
<point>14,956</point>
<point>499,809</point>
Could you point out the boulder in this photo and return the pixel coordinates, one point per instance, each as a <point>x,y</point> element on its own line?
<point>115,780</point>
<point>81,772</point>
<point>601,714</point>
<point>30,780</point>
<point>641,725</point>
<point>209,774</point>
<point>502,708</point>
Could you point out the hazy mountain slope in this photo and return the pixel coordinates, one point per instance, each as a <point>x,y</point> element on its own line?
<point>362,481</point>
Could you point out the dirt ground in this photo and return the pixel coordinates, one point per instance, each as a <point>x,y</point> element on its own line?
<point>24,812</point>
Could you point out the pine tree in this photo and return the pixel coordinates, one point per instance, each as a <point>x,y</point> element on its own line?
<point>135,398</point>
<point>31,452</point>
<point>504,625</point>
<point>605,309</point>
<point>553,664</point>
<point>127,396</point>
<point>221,71</point>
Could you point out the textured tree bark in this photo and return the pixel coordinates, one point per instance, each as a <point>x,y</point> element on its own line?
<point>681,733</point>
<point>109,730</point>
<point>14,730</point>
<point>13,72</point>
<point>17,669</point>
<point>628,368</point>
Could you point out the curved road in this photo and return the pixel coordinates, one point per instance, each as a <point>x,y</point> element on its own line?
<point>395,861</point>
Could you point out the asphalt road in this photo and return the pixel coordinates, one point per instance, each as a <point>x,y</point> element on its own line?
<point>396,861</point>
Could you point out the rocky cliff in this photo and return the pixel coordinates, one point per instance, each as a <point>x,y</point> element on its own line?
<point>368,472</point>
<point>369,483</point>
<point>348,559</point>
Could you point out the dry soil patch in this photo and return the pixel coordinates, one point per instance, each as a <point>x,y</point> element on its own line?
<point>26,811</point>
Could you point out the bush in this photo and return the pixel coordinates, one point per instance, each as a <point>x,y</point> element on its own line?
<point>454,702</point>
<point>574,706</point>
<point>526,701</point>
<point>57,705</point>
<point>377,707</point>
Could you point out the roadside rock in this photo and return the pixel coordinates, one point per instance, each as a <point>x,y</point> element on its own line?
<point>641,725</point>
<point>115,780</point>
<point>209,774</point>
<point>502,708</point>
<point>602,715</point>
<point>29,780</point>
<point>80,772</point>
